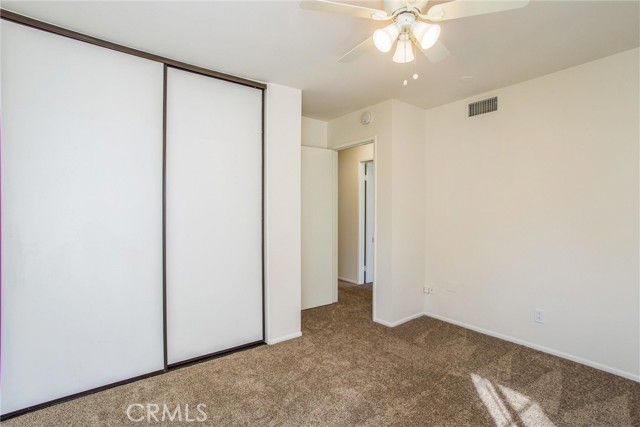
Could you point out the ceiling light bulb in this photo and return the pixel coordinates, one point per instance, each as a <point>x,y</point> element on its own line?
<point>385,37</point>
<point>404,83</point>
<point>403,53</point>
<point>426,34</point>
<point>415,76</point>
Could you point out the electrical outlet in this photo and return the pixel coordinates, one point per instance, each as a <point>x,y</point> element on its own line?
<point>538,315</point>
<point>426,289</point>
<point>432,291</point>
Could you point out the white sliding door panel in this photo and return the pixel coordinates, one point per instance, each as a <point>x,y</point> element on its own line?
<point>214,215</point>
<point>81,217</point>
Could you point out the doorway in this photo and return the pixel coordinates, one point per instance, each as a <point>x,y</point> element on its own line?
<point>338,222</point>
<point>356,218</point>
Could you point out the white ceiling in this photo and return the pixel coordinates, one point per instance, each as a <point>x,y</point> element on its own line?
<point>278,42</point>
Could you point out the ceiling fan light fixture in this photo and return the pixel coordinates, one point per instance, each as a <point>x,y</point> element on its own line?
<point>425,34</point>
<point>385,37</point>
<point>404,51</point>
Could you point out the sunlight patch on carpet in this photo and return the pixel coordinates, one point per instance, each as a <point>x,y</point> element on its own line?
<point>508,407</point>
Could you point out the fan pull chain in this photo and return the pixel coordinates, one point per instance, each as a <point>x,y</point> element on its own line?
<point>415,75</point>
<point>415,62</point>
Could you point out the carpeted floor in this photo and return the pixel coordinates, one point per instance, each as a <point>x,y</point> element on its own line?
<point>348,371</point>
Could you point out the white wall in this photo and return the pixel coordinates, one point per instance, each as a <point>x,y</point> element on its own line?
<point>399,257</point>
<point>348,129</point>
<point>282,213</point>
<point>536,206</point>
<point>408,210</point>
<point>314,133</point>
<point>348,209</point>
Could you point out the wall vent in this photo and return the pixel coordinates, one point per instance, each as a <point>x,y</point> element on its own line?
<point>485,106</point>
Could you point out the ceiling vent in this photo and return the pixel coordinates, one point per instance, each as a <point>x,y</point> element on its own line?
<point>485,106</point>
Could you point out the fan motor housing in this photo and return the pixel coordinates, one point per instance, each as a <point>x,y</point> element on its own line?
<point>405,19</point>
<point>394,6</point>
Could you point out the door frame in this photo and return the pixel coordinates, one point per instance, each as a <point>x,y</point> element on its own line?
<point>362,220</point>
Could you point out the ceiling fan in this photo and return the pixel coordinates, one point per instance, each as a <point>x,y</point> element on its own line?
<point>413,23</point>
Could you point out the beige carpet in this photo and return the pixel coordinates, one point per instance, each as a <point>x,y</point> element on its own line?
<point>348,371</point>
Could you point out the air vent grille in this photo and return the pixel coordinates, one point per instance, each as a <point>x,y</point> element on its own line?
<point>485,106</point>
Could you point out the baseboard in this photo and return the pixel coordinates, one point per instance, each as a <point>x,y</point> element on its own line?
<point>38,406</point>
<point>284,338</point>
<point>590,363</point>
<point>398,322</point>
<point>344,279</point>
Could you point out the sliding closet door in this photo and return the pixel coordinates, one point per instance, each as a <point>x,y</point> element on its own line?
<point>213,215</point>
<point>81,217</point>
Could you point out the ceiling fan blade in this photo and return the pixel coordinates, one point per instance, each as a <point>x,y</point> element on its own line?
<point>435,53</point>
<point>462,8</point>
<point>345,9</point>
<point>357,51</point>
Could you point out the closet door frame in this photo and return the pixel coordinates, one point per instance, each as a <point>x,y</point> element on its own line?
<point>59,31</point>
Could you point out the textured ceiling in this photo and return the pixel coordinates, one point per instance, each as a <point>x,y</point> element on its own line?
<point>278,42</point>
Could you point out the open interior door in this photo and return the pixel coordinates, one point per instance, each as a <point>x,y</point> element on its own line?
<point>319,227</point>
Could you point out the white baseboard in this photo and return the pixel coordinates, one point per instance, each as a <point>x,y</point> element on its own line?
<point>284,338</point>
<point>590,363</point>
<point>344,279</point>
<point>398,322</point>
